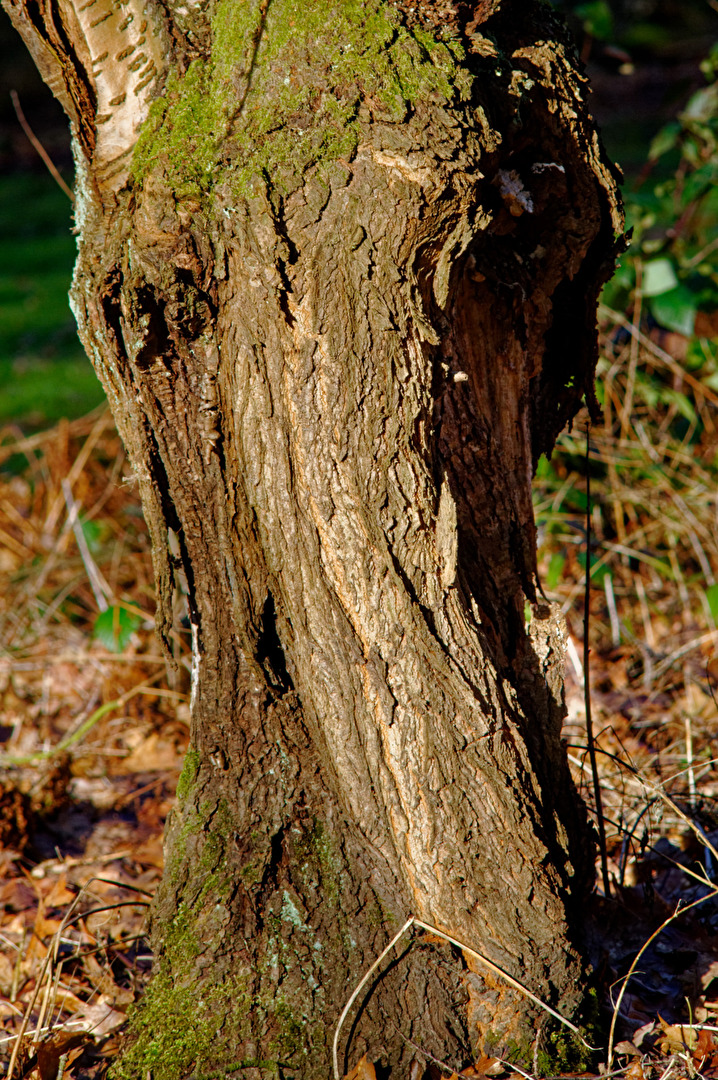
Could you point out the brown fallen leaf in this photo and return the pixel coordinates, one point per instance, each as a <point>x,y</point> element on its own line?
<point>7,970</point>
<point>705,1052</point>
<point>154,754</point>
<point>67,1001</point>
<point>635,1071</point>
<point>17,894</point>
<point>627,1048</point>
<point>676,1038</point>
<point>485,1066</point>
<point>45,928</point>
<point>65,1044</point>
<point>102,979</point>
<point>363,1070</point>
<point>100,1019</point>
<point>58,894</point>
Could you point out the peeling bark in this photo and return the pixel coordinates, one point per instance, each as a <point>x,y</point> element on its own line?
<point>334,376</point>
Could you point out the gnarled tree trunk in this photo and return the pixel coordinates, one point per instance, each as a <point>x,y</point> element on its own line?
<point>338,268</point>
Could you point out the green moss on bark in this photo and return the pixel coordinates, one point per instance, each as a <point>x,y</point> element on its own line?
<point>283,93</point>
<point>182,1021</point>
<point>188,775</point>
<point>560,1051</point>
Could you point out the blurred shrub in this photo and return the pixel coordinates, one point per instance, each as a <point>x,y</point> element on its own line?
<point>673,215</point>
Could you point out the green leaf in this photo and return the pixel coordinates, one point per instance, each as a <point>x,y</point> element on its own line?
<point>703,105</point>
<point>659,276</point>
<point>114,628</point>
<point>545,470</point>
<point>598,569</point>
<point>597,19</point>
<point>574,499</point>
<point>712,598</point>
<point>555,569</point>
<point>95,532</point>
<point>676,310</point>
<point>664,141</point>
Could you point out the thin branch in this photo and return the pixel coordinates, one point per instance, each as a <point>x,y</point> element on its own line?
<point>507,978</point>
<point>360,986</point>
<point>413,921</point>
<point>587,681</point>
<point>631,971</point>
<point>38,146</point>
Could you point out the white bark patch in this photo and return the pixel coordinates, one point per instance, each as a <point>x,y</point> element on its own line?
<point>516,198</point>
<point>121,46</point>
<point>407,170</point>
<point>196,660</point>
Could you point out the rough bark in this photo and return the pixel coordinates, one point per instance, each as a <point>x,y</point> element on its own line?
<point>341,299</point>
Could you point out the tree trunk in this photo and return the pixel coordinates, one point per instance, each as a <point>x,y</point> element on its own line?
<point>341,293</point>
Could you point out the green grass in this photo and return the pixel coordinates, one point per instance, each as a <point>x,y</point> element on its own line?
<point>44,372</point>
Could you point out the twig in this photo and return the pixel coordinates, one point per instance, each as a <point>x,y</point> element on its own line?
<point>667,663</point>
<point>45,1000</point>
<point>507,978</point>
<point>587,682</point>
<point>75,736</point>
<point>15,984</point>
<point>645,614</point>
<point>494,968</point>
<point>692,799</point>
<point>104,420</point>
<point>99,586</point>
<point>575,659</point>
<point>50,958</point>
<point>612,612</point>
<point>24,444</point>
<point>360,986</point>
<point>659,354</point>
<point>658,790</point>
<point>38,146</point>
<point>516,1068</point>
<point>679,911</point>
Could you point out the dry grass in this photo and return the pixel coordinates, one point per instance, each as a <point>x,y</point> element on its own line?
<point>92,744</point>
<point>654,562</point>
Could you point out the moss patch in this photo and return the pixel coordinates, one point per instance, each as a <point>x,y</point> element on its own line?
<point>560,1050</point>
<point>320,847</point>
<point>283,92</point>
<point>174,1028</point>
<point>188,775</point>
